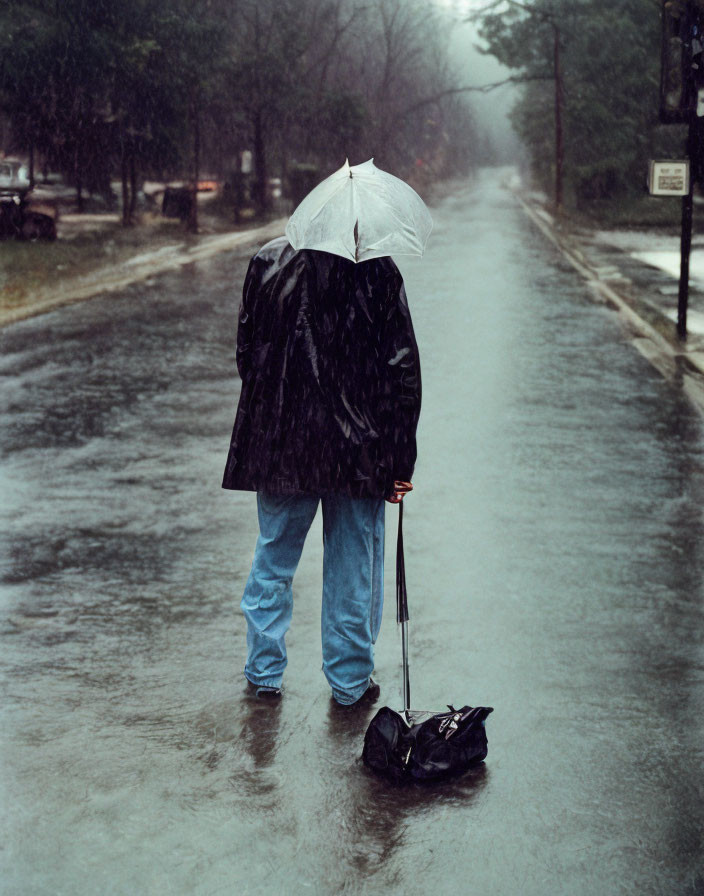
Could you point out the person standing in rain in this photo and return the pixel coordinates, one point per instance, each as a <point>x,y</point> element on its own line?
<point>327,414</point>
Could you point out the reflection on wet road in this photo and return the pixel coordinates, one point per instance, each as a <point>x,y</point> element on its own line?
<point>555,550</point>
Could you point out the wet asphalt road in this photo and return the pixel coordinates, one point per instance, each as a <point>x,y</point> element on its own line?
<point>555,550</point>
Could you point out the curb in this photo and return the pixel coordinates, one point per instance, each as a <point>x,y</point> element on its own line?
<point>668,356</point>
<point>130,271</point>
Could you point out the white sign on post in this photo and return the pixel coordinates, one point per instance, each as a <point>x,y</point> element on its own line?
<point>669,178</point>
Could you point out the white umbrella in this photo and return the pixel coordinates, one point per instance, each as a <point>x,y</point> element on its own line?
<point>361,212</point>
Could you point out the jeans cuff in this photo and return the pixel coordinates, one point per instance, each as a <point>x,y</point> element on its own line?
<point>265,682</point>
<point>348,697</point>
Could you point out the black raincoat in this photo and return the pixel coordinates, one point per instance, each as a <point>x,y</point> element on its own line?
<point>330,376</point>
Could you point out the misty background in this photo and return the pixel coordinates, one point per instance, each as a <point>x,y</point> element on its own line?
<point>264,99</point>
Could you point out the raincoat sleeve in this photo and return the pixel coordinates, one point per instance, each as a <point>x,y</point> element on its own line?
<point>245,324</point>
<point>401,396</point>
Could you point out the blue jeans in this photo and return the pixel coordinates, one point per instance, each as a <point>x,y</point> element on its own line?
<point>353,587</point>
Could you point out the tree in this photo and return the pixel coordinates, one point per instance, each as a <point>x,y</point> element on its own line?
<point>398,60</point>
<point>531,37</point>
<point>99,87</point>
<point>592,72</point>
<point>49,86</point>
<point>193,44</point>
<point>281,76</point>
<point>144,108</point>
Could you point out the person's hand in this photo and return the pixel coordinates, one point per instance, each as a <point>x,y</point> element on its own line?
<point>400,489</point>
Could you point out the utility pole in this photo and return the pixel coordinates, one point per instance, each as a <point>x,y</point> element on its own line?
<point>691,51</point>
<point>559,140</point>
<point>686,239</point>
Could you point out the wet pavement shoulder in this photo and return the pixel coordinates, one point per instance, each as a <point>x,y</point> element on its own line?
<point>636,291</point>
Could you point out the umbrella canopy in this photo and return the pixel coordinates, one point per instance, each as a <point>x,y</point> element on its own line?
<point>361,212</point>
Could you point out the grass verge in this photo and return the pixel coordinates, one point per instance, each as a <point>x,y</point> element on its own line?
<point>84,248</point>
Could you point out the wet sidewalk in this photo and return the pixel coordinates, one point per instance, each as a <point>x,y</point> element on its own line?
<point>555,560</point>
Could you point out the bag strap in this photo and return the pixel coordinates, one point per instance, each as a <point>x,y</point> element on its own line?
<point>401,595</point>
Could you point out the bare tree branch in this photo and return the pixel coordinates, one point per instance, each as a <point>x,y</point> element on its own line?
<point>477,88</point>
<point>530,10</point>
<point>478,13</point>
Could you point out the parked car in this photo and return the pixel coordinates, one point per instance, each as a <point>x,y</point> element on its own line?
<point>20,218</point>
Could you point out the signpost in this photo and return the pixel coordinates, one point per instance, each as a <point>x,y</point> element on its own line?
<point>682,102</point>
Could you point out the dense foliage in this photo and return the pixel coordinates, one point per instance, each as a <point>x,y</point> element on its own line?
<point>106,88</point>
<point>609,70</point>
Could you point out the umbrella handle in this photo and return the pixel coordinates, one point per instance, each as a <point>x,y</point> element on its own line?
<point>406,678</point>
<point>402,610</point>
<point>401,594</point>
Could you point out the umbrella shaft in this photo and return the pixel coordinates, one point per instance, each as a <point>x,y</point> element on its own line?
<point>406,679</point>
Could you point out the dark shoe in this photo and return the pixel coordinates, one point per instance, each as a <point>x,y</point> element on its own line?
<point>263,692</point>
<point>371,695</point>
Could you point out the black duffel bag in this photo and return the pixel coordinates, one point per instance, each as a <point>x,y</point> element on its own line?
<point>400,746</point>
<point>443,746</point>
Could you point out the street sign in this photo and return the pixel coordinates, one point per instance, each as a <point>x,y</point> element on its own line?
<point>669,178</point>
